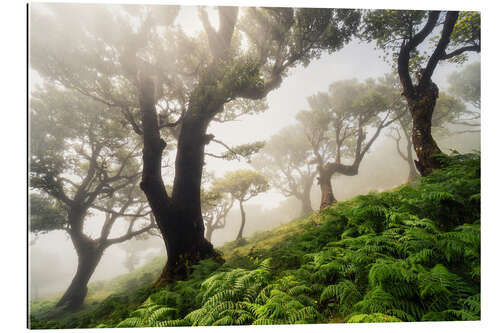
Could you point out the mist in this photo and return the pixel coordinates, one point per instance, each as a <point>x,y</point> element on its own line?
<point>53,259</point>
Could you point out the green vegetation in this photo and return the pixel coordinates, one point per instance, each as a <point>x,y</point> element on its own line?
<point>410,254</point>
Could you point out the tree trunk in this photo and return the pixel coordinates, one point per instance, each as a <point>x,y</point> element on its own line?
<point>412,174</point>
<point>209,233</point>
<point>89,256</point>
<point>422,108</point>
<point>306,196</point>
<point>243,218</point>
<point>325,184</point>
<point>306,205</point>
<point>179,218</point>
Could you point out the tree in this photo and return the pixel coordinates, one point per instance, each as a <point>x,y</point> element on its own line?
<point>158,77</point>
<point>285,161</point>
<point>337,124</point>
<point>242,185</point>
<point>404,32</point>
<point>215,206</point>
<point>466,85</point>
<point>80,157</point>
<point>448,110</point>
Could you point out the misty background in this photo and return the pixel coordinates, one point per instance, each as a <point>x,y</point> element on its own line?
<point>53,258</point>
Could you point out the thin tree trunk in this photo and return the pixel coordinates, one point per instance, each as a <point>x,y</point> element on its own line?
<point>243,218</point>
<point>209,233</point>
<point>422,108</point>
<point>412,174</point>
<point>325,184</point>
<point>306,205</point>
<point>306,196</point>
<point>179,218</point>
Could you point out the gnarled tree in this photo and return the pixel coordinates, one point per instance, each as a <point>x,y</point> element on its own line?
<point>448,110</point>
<point>159,77</point>
<point>215,206</point>
<point>337,128</point>
<point>406,33</point>
<point>286,161</point>
<point>81,159</point>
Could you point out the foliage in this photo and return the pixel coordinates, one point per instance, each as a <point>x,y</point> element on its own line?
<point>242,184</point>
<point>410,254</point>
<point>286,162</point>
<point>466,84</point>
<point>45,214</point>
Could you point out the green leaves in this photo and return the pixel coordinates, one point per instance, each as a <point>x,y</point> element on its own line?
<point>45,214</point>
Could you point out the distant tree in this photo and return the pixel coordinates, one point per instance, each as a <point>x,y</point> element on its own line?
<point>135,248</point>
<point>215,206</point>
<point>466,85</point>
<point>286,161</point>
<point>242,185</point>
<point>156,76</point>
<point>402,33</point>
<point>337,124</point>
<point>81,159</point>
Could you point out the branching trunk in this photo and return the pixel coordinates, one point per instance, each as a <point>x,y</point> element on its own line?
<point>305,198</point>
<point>179,217</point>
<point>243,219</point>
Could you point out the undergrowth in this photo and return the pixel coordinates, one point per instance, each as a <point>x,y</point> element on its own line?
<point>410,254</point>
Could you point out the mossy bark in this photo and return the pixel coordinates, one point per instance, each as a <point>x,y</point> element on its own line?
<point>422,109</point>
<point>325,185</point>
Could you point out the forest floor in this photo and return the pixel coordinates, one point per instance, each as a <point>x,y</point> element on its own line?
<point>409,254</point>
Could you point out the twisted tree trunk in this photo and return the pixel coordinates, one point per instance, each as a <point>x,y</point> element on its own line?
<point>243,219</point>
<point>89,254</point>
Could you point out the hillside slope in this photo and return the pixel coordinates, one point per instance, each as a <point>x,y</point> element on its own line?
<point>410,254</point>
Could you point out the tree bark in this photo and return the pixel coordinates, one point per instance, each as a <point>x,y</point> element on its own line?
<point>179,218</point>
<point>243,218</point>
<point>421,109</point>
<point>89,255</point>
<point>325,184</point>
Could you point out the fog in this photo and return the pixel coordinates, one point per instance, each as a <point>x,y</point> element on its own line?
<point>53,260</point>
